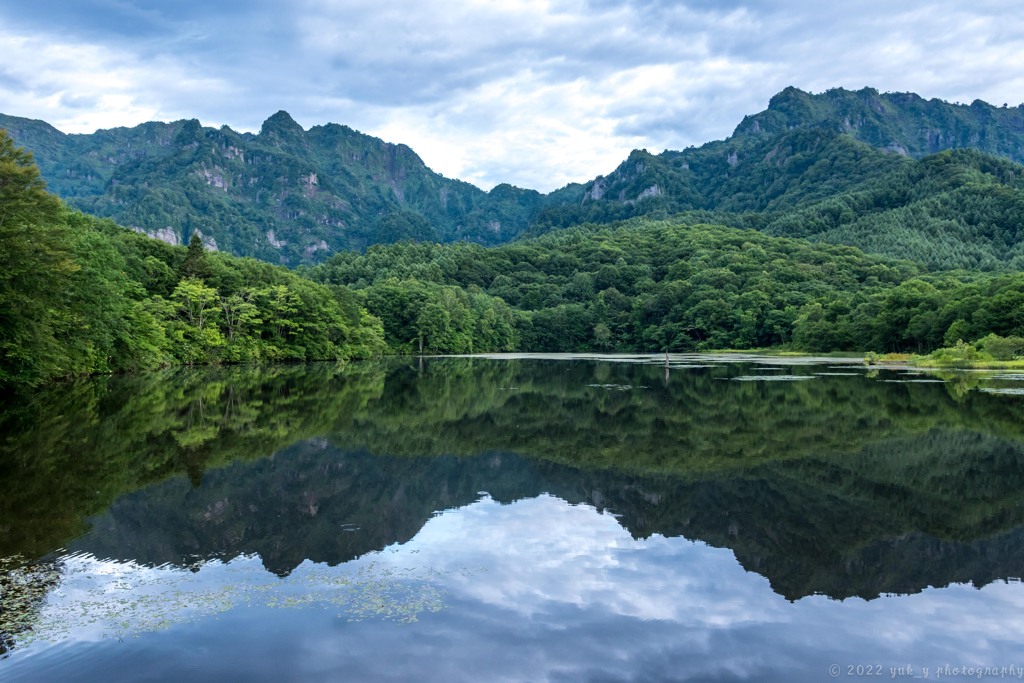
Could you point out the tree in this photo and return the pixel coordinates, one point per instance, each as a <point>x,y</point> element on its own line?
<point>197,302</point>
<point>445,324</point>
<point>239,317</point>
<point>195,264</point>
<point>34,265</point>
<point>1001,348</point>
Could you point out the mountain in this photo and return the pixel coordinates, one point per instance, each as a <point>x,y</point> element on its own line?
<point>893,174</point>
<point>803,148</point>
<point>293,196</point>
<point>904,123</point>
<point>283,195</point>
<point>744,173</point>
<point>955,209</point>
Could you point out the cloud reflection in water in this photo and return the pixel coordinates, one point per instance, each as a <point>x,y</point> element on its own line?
<point>534,590</point>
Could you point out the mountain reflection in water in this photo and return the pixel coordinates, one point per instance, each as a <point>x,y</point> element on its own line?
<point>577,494</point>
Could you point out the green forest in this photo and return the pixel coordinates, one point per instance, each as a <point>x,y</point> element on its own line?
<point>646,285</point>
<point>81,295</point>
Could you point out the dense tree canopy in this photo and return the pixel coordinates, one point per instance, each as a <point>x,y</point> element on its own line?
<point>35,262</point>
<point>80,295</point>
<point>666,285</point>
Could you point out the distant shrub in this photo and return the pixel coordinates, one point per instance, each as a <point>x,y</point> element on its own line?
<point>961,353</point>
<point>1001,348</point>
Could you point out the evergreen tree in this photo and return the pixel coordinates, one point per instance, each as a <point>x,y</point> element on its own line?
<point>195,265</point>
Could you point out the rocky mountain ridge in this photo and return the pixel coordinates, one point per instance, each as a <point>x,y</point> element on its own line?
<point>283,195</point>
<point>290,195</point>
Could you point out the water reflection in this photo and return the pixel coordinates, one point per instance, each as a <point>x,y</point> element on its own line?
<point>860,526</point>
<point>583,498</point>
<point>533,590</point>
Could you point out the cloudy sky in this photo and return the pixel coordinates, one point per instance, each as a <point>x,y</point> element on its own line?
<point>533,92</point>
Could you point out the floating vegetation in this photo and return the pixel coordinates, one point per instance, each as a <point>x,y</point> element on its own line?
<point>82,597</point>
<point>374,591</point>
<point>23,590</point>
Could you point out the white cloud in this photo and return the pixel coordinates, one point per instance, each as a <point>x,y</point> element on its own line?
<point>80,87</point>
<point>584,558</point>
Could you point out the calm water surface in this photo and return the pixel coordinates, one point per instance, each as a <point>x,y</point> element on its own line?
<point>528,518</point>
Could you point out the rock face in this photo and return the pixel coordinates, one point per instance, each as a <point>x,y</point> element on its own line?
<point>166,234</point>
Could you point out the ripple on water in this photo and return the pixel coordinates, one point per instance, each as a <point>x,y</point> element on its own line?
<point>772,378</point>
<point>1005,391</point>
<point>914,381</point>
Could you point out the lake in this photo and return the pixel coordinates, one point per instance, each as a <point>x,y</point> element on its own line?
<point>516,518</point>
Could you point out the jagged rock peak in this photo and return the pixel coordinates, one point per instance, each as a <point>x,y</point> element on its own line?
<point>281,123</point>
<point>190,131</point>
<point>787,94</point>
